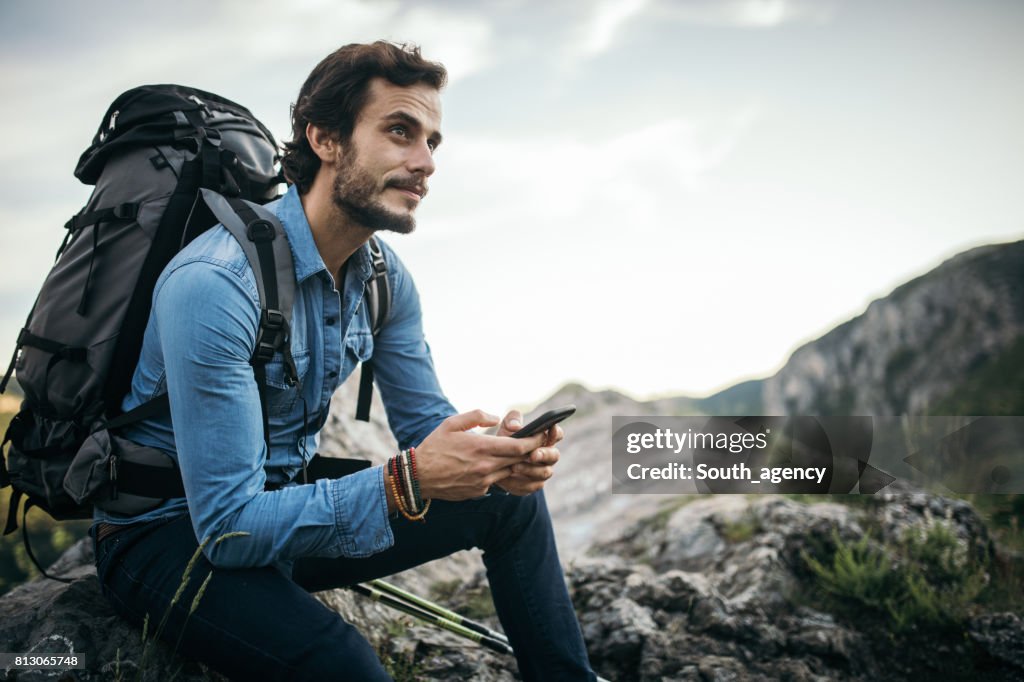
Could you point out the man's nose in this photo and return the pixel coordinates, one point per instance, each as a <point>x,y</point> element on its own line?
<point>421,160</point>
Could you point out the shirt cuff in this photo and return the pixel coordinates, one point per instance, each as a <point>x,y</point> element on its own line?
<point>361,513</point>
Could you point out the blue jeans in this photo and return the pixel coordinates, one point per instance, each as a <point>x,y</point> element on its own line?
<point>257,623</point>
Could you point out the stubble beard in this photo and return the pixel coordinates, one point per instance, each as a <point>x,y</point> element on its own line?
<point>353,194</point>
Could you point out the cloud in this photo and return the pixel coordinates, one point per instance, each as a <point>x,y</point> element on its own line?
<point>549,179</point>
<point>745,13</point>
<point>262,48</point>
<point>602,29</point>
<point>606,20</point>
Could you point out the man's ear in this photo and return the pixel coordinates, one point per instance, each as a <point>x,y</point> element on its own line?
<point>324,143</point>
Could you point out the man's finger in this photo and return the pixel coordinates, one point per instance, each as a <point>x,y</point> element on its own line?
<point>533,472</point>
<point>516,447</point>
<point>546,455</point>
<point>470,420</point>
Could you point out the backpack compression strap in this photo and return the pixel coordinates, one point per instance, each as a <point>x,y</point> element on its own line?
<point>378,303</point>
<point>263,240</point>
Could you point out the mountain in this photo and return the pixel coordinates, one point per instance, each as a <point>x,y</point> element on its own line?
<point>951,339</point>
<point>949,342</point>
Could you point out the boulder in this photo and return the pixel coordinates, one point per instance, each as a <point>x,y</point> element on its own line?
<point>46,616</point>
<point>721,590</point>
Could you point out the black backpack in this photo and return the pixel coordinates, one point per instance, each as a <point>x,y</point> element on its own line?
<point>168,162</point>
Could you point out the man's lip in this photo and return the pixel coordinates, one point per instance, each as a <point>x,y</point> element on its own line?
<point>413,192</point>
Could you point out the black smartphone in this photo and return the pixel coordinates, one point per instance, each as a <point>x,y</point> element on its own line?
<point>545,421</point>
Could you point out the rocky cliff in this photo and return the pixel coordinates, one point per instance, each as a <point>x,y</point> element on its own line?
<point>919,347</point>
<point>948,342</point>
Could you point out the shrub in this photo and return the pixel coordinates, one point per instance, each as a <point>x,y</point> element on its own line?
<point>928,578</point>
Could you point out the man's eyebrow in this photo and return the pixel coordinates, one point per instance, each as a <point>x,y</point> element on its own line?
<point>414,122</point>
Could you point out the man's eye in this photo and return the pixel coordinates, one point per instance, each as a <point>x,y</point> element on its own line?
<point>431,146</point>
<point>399,130</point>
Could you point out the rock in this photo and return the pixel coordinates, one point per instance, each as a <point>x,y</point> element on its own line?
<point>722,669</point>
<point>742,615</point>
<point>1000,636</point>
<point>47,616</point>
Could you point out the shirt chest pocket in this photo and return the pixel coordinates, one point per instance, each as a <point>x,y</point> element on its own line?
<point>281,397</point>
<point>358,348</point>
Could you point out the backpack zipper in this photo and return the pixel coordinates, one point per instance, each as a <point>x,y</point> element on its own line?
<point>113,476</point>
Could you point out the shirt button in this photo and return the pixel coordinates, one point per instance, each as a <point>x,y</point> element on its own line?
<point>331,320</point>
<point>332,374</point>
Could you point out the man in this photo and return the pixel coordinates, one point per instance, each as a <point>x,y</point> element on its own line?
<point>365,127</point>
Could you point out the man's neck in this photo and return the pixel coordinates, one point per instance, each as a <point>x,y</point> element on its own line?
<point>336,236</point>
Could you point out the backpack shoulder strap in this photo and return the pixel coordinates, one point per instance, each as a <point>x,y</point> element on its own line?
<point>378,288</point>
<point>378,305</point>
<point>265,244</point>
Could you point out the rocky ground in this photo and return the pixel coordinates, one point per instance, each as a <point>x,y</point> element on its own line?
<point>719,589</point>
<point>710,588</point>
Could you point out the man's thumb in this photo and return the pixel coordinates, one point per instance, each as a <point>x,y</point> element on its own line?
<point>513,420</point>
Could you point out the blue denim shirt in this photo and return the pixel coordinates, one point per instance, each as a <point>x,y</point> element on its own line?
<point>198,342</point>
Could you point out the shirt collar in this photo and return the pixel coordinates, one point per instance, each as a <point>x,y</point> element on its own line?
<point>300,237</point>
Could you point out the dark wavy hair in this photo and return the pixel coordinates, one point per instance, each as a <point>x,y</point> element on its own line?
<point>336,91</point>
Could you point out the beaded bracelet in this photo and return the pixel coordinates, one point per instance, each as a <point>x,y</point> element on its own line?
<point>398,474</point>
<point>405,487</point>
<point>415,478</point>
<point>413,504</point>
<point>394,488</point>
<point>416,501</point>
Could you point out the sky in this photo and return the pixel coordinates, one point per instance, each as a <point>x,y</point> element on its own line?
<point>659,197</point>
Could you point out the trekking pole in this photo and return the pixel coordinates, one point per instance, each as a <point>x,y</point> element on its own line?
<point>432,618</point>
<point>439,610</point>
<point>432,613</point>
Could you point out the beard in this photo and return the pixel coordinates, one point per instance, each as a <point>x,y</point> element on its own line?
<point>353,193</point>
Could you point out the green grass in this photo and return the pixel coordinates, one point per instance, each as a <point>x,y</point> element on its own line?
<point>400,668</point>
<point>1003,516</point>
<point>927,580</point>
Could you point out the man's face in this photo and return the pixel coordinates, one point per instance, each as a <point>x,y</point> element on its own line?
<point>383,168</point>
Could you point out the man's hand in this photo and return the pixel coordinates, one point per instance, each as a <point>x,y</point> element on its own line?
<point>530,475</point>
<point>453,463</point>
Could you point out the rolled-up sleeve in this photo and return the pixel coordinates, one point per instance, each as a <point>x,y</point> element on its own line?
<point>206,317</point>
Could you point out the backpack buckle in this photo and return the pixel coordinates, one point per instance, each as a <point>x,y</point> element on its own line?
<point>126,211</point>
<point>260,231</point>
<point>272,324</point>
<point>272,320</point>
<point>264,352</point>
